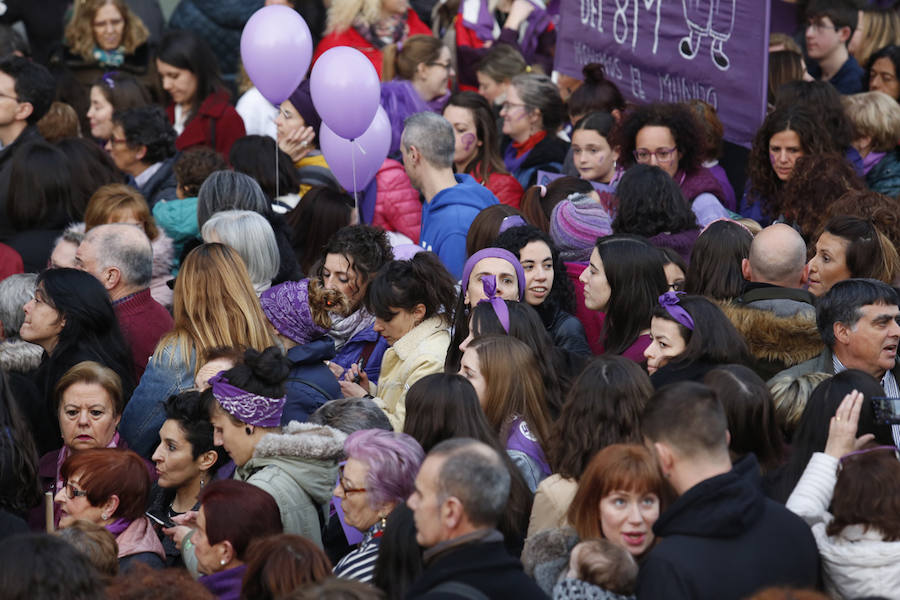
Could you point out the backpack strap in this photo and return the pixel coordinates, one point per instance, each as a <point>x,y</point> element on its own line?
<point>308,383</point>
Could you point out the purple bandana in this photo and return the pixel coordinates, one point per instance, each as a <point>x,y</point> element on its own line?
<point>498,304</point>
<point>671,303</point>
<point>494,253</point>
<point>287,308</point>
<point>246,407</point>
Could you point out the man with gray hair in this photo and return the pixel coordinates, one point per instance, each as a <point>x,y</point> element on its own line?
<point>452,201</point>
<point>121,258</point>
<point>776,272</point>
<point>460,493</point>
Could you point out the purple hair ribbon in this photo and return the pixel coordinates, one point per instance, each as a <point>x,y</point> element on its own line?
<point>248,408</point>
<point>510,222</point>
<point>672,304</point>
<point>489,283</point>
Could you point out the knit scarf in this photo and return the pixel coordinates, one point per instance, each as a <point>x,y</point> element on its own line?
<point>109,58</point>
<point>382,32</point>
<point>343,329</point>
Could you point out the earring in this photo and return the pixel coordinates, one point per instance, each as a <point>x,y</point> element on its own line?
<point>383,521</point>
<point>247,429</point>
<point>222,562</point>
<point>104,516</point>
<point>202,483</point>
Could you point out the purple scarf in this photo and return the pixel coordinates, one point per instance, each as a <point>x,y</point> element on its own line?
<point>512,163</point>
<point>871,159</point>
<point>118,526</point>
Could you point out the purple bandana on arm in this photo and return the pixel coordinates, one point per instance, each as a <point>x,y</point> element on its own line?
<point>489,283</point>
<point>246,407</point>
<point>671,303</point>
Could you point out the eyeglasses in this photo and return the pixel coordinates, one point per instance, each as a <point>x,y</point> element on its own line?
<point>820,27</point>
<point>14,98</point>
<point>446,66</point>
<point>117,141</point>
<point>348,489</point>
<point>663,155</point>
<point>508,105</point>
<point>72,492</point>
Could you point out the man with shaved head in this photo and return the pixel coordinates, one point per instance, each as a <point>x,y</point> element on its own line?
<point>119,255</point>
<point>776,272</point>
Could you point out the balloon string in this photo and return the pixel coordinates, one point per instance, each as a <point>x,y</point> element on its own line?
<point>277,193</point>
<point>353,167</point>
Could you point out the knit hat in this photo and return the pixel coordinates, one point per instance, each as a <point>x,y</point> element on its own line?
<point>301,98</point>
<point>494,253</point>
<point>287,308</point>
<point>575,225</point>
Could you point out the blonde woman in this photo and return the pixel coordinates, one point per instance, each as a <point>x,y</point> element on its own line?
<point>369,26</point>
<point>876,122</point>
<point>215,305</point>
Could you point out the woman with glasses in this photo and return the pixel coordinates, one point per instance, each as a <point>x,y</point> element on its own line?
<point>378,476</point>
<point>850,496</point>
<point>668,136</point>
<point>423,61</point>
<point>111,487</point>
<point>532,114</point>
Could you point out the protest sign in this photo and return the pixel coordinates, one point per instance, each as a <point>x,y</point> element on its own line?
<point>675,50</point>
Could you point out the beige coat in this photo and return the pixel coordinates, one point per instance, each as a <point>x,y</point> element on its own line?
<point>419,353</point>
<point>551,503</point>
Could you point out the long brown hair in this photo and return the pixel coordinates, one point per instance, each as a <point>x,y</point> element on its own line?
<point>513,385</point>
<point>487,159</point>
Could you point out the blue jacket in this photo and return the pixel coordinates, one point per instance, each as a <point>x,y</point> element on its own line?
<point>884,177</point>
<point>353,349</point>
<point>308,367</point>
<point>447,218</point>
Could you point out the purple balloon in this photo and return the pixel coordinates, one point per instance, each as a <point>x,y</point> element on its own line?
<point>345,90</point>
<point>367,151</point>
<point>276,48</point>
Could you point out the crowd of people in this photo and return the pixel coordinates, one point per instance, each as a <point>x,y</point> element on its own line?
<point>554,349</point>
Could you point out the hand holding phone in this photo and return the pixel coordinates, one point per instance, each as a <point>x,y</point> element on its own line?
<point>163,521</point>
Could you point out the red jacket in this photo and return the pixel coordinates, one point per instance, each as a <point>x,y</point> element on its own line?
<point>10,262</point>
<point>506,187</point>
<point>397,205</point>
<point>216,125</point>
<point>350,37</point>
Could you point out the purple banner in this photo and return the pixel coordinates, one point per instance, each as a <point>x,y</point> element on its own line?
<point>675,50</point>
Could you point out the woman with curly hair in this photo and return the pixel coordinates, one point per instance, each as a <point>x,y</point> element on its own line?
<point>547,286</point>
<point>651,205</point>
<point>669,136</point>
<point>882,71</point>
<point>785,135</point>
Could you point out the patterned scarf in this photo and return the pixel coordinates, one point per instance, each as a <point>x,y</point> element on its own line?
<point>344,328</point>
<point>382,32</point>
<point>109,58</point>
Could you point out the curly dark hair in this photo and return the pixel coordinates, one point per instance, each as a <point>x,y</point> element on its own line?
<point>823,177</point>
<point>650,202</point>
<point>366,248</point>
<point>892,53</point>
<point>883,211</point>
<point>148,126</point>
<point>680,121</point>
<point>823,100</point>
<point>193,166</point>
<point>562,293</point>
<point>764,183</point>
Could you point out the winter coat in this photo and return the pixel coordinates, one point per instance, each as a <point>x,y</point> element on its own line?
<point>308,379</point>
<point>178,218</point>
<point>161,185</point>
<point>167,374</point>
<point>722,539</point>
<point>7,232</point>
<point>547,155</point>
<point>568,333</point>
<point>884,177</point>
<point>220,23</point>
<point>139,543</point>
<point>447,218</point>
<point>477,560</point>
<point>823,363</point>
<point>775,342</point>
<point>781,301</point>
<point>352,351</point>
<point>677,371</point>
<point>856,562</point>
<point>551,504</point>
<point>506,187</point>
<point>10,262</point>
<point>397,203</point>
<point>420,352</point>
<point>350,37</point>
<point>546,555</point>
<point>215,124</point>
<point>298,468</point>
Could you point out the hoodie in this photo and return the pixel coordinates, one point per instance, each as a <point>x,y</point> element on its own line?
<point>447,218</point>
<point>722,539</point>
<point>308,369</point>
<point>298,468</point>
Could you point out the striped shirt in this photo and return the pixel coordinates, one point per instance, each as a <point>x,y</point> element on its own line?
<point>888,384</point>
<point>359,565</point>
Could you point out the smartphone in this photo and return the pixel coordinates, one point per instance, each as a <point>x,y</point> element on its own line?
<point>162,521</point>
<point>362,362</point>
<point>887,410</point>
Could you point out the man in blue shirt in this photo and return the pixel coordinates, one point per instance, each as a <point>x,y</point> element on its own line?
<point>452,201</point>
<point>829,26</point>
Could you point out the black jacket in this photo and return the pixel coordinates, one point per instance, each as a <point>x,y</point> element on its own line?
<point>161,185</point>
<point>568,333</point>
<point>485,566</point>
<point>722,539</point>
<point>29,134</point>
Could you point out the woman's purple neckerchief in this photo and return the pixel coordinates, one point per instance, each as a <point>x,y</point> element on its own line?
<point>118,526</point>
<point>672,304</point>
<point>510,161</point>
<point>248,408</point>
<point>489,283</point>
<point>492,252</point>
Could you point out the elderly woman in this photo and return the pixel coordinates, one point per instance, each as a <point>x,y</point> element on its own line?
<point>252,237</point>
<point>379,474</point>
<point>232,514</point>
<point>89,406</point>
<point>876,122</point>
<point>369,26</point>
<point>110,487</point>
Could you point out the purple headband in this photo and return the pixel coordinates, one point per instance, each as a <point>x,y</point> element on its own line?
<point>498,304</point>
<point>494,253</point>
<point>671,303</point>
<point>510,222</point>
<point>246,407</point>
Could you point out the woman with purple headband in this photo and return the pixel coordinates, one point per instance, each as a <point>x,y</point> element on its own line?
<point>690,336</point>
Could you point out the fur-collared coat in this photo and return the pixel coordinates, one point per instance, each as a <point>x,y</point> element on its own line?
<point>776,343</point>
<point>298,468</point>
